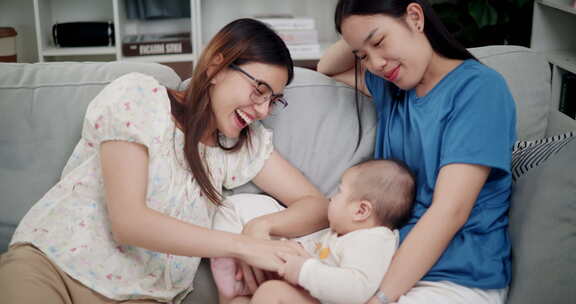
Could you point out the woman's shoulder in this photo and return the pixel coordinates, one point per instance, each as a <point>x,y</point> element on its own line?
<point>135,78</point>
<point>136,90</point>
<point>475,70</point>
<point>135,100</point>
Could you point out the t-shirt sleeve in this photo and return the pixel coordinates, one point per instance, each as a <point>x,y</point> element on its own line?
<point>244,165</point>
<point>125,110</point>
<point>481,128</point>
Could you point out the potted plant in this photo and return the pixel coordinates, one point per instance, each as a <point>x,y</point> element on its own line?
<point>487,22</point>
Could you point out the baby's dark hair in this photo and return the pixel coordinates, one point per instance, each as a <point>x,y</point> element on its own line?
<point>389,185</point>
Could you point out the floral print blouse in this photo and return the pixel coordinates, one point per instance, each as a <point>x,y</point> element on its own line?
<point>70,225</point>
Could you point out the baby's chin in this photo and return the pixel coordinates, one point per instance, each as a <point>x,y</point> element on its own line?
<point>338,230</point>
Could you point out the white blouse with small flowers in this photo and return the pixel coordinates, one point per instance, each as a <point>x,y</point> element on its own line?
<point>70,225</point>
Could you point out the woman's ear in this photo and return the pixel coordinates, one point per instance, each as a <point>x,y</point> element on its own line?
<point>214,66</point>
<point>415,17</point>
<point>363,210</point>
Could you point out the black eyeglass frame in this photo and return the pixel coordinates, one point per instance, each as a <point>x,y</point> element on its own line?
<point>273,97</point>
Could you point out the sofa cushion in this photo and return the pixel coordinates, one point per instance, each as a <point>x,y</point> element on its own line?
<point>318,131</point>
<point>542,230</point>
<point>528,75</point>
<point>41,111</point>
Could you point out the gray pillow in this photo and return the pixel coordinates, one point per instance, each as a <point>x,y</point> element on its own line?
<point>318,131</point>
<point>543,231</point>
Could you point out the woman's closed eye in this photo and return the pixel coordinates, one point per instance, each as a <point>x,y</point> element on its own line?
<point>379,42</point>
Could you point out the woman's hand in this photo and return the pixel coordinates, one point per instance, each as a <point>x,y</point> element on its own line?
<point>263,254</point>
<point>253,276</point>
<point>292,264</point>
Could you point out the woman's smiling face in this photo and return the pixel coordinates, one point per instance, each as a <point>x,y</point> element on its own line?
<point>232,94</point>
<point>395,49</point>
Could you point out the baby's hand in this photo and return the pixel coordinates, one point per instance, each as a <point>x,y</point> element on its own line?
<point>290,268</point>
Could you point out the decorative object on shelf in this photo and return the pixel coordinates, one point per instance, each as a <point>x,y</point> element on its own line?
<point>8,44</point>
<point>574,4</point>
<point>157,9</point>
<point>568,95</point>
<point>299,34</point>
<point>156,44</point>
<point>82,34</point>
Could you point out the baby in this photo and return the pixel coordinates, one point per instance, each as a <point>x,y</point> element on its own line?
<point>348,261</point>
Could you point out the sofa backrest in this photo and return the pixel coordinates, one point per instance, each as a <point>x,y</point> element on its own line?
<point>318,132</point>
<point>528,75</point>
<point>41,112</point>
<point>42,107</point>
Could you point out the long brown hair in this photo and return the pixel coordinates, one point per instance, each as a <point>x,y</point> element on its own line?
<point>241,41</point>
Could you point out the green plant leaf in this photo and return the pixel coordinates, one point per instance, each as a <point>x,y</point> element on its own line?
<point>483,13</point>
<point>521,3</point>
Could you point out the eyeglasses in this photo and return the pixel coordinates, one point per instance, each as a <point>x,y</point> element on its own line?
<point>263,93</point>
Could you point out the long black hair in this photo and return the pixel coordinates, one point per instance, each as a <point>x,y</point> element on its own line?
<point>440,39</point>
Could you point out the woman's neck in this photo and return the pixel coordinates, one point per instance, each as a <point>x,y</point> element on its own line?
<point>438,68</point>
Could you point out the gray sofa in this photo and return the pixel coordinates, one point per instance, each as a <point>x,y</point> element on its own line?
<point>42,107</point>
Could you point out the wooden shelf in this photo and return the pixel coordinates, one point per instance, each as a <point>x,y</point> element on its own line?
<point>161,58</point>
<point>565,60</point>
<point>79,51</point>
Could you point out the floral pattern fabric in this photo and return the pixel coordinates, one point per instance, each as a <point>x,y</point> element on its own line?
<point>70,225</point>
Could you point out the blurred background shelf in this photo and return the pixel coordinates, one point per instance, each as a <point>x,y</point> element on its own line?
<point>205,19</point>
<point>554,34</point>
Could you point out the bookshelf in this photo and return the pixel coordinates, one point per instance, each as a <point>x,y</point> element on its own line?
<point>49,12</point>
<point>206,18</point>
<point>554,34</point>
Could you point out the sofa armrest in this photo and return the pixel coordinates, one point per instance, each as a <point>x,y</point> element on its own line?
<point>559,123</point>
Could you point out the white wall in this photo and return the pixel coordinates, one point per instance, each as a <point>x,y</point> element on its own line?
<point>19,14</point>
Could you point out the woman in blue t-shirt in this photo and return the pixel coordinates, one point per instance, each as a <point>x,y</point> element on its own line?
<point>452,120</point>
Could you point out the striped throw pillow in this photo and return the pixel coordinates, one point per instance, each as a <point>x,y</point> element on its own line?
<point>530,154</point>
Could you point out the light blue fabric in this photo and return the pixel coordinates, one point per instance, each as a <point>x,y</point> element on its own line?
<point>468,117</point>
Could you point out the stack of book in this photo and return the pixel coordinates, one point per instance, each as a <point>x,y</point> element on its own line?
<point>156,44</point>
<point>299,34</point>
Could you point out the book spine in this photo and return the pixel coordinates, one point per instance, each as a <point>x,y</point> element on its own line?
<point>156,48</point>
<point>289,23</point>
<point>304,50</point>
<point>562,103</point>
<point>299,36</point>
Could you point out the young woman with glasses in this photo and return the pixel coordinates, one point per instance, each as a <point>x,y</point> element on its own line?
<point>132,214</point>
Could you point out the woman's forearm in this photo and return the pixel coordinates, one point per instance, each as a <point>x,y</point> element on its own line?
<point>455,194</point>
<point>336,59</point>
<point>420,250</point>
<point>304,216</point>
<point>155,231</point>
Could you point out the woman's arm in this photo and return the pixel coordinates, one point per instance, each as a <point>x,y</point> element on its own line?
<point>337,58</point>
<point>338,63</point>
<point>307,207</point>
<point>456,191</point>
<point>125,173</point>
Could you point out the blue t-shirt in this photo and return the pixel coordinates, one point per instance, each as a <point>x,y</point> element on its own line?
<point>468,117</point>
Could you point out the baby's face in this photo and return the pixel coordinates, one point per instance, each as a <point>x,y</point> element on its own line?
<point>340,210</point>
